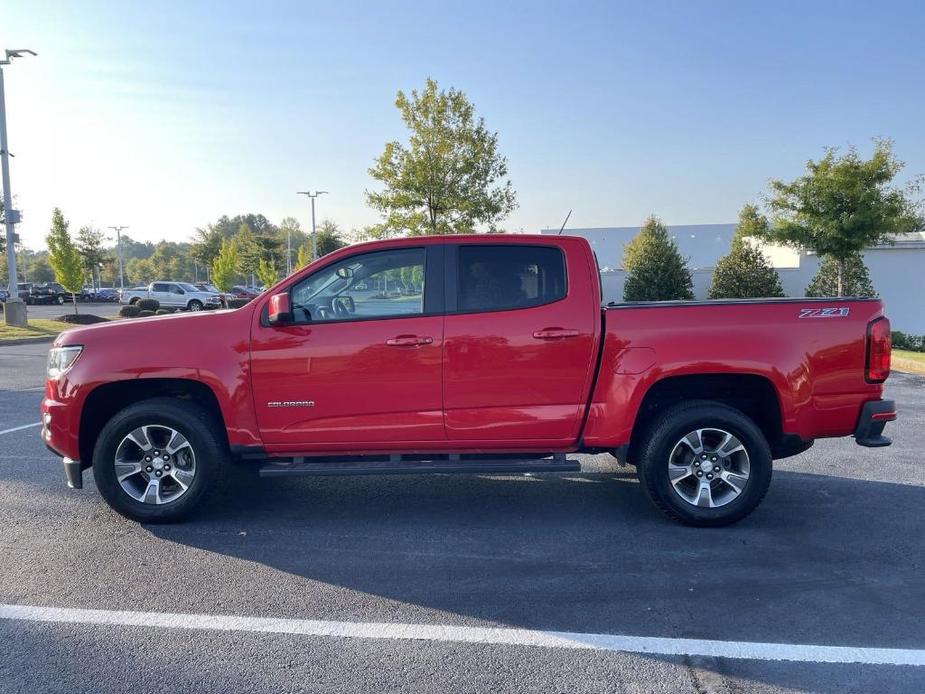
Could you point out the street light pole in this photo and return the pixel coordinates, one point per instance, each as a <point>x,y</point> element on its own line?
<point>15,309</point>
<point>118,230</point>
<point>313,195</point>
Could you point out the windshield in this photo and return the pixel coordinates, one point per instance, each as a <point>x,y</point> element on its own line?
<point>189,287</point>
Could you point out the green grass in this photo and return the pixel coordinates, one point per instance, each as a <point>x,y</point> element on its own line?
<point>913,362</point>
<point>38,327</point>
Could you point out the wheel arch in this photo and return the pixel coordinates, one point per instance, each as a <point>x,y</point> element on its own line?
<point>752,394</point>
<point>106,400</point>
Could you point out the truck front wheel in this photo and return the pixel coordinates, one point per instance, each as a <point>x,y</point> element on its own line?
<point>195,305</point>
<point>704,463</point>
<point>155,461</point>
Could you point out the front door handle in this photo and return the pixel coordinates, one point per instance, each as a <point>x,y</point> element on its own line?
<point>409,341</point>
<point>555,333</point>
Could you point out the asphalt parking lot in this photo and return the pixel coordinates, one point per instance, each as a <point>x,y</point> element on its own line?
<point>835,556</point>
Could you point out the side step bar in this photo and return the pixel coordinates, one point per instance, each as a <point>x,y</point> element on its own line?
<point>396,466</point>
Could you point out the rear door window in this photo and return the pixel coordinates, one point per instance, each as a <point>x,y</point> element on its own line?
<point>499,277</point>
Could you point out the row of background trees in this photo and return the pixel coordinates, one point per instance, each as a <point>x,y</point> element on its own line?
<point>257,242</point>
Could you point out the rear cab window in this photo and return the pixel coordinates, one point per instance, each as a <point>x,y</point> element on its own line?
<point>500,277</point>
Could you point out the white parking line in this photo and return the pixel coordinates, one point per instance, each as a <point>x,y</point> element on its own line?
<point>24,426</point>
<point>480,635</point>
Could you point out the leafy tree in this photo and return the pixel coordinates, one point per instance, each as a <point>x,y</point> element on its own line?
<point>90,247</point>
<point>855,280</point>
<point>655,270</point>
<point>328,238</point>
<point>266,272</point>
<point>745,273</point>
<point>291,237</point>
<point>39,269</point>
<point>248,250</point>
<point>450,176</point>
<point>140,271</point>
<point>64,257</point>
<point>842,205</point>
<point>304,256</point>
<point>225,266</point>
<point>135,249</point>
<point>206,245</point>
<point>208,242</point>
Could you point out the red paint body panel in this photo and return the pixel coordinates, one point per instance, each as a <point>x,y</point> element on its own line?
<point>363,390</point>
<point>485,382</point>
<point>816,366</point>
<point>504,384</point>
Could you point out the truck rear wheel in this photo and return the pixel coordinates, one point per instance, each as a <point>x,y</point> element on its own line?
<point>155,461</point>
<point>704,463</point>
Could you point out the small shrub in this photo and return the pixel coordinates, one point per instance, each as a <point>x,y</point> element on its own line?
<point>237,303</point>
<point>129,311</point>
<point>145,314</point>
<point>149,304</point>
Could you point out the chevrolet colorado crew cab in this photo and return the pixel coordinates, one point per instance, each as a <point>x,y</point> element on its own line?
<point>173,295</point>
<point>481,354</point>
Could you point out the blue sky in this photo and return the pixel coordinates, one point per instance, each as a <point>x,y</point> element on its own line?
<point>165,115</point>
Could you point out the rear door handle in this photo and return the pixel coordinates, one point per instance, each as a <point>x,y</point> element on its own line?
<point>409,341</point>
<point>554,333</point>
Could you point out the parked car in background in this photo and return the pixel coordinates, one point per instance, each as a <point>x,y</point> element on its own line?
<point>241,292</point>
<point>4,294</point>
<point>206,287</point>
<point>50,293</point>
<point>106,295</point>
<point>25,291</point>
<point>173,295</point>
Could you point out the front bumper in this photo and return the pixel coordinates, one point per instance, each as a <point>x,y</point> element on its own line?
<point>874,416</point>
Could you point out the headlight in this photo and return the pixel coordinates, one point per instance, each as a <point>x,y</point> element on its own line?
<point>60,359</point>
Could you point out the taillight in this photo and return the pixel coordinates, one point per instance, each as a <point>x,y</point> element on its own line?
<point>878,350</point>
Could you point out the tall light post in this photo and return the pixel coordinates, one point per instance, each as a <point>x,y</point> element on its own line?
<point>15,309</point>
<point>118,230</point>
<point>313,195</point>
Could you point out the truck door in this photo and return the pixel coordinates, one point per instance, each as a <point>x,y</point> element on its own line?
<point>520,342</point>
<point>161,292</point>
<point>361,361</point>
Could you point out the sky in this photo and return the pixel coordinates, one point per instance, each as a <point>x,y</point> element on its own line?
<point>165,115</point>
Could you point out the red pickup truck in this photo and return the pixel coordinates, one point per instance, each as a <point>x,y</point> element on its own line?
<point>485,354</point>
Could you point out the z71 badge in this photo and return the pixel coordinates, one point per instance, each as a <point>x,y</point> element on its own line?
<point>834,312</point>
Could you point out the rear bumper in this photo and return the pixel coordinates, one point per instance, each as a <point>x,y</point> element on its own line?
<point>874,416</point>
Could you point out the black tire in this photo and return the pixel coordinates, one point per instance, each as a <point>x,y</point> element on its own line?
<point>666,432</point>
<point>194,422</point>
<point>195,305</point>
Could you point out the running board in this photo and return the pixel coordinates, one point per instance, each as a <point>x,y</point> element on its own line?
<point>396,466</point>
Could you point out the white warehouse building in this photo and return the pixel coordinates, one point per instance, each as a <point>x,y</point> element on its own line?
<point>897,271</point>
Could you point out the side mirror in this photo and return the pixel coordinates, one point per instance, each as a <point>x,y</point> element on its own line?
<point>279,312</point>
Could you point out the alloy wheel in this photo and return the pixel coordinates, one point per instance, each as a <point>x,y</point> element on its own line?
<point>155,464</point>
<point>708,467</point>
